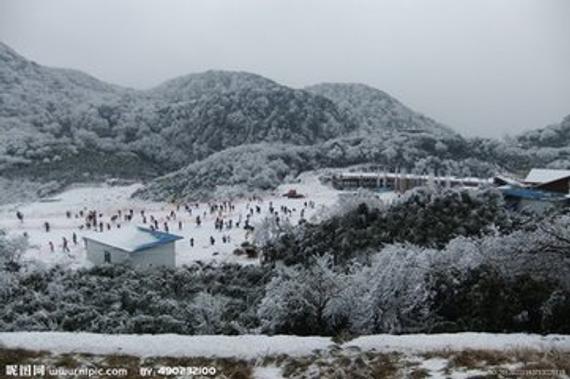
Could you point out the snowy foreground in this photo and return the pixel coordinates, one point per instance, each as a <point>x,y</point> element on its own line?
<point>461,355</point>
<point>108,200</point>
<point>255,346</point>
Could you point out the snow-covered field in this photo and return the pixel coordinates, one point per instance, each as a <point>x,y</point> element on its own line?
<point>108,200</point>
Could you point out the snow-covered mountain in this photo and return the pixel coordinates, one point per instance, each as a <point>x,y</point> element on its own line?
<point>49,117</point>
<point>52,116</point>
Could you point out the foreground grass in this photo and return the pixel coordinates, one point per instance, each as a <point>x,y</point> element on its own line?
<point>333,363</point>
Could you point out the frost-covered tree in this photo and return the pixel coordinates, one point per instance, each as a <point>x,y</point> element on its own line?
<point>299,300</point>
<point>207,312</point>
<point>11,250</point>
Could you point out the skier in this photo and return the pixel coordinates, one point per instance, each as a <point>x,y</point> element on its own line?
<point>46,226</point>
<point>212,241</point>
<point>74,237</point>
<point>20,216</point>
<point>65,246</point>
<point>179,225</point>
<point>191,242</point>
<point>51,246</point>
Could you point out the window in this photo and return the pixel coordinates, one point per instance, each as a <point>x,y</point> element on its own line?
<point>107,257</point>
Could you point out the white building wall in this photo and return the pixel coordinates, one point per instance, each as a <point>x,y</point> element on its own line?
<point>96,252</point>
<point>163,255</point>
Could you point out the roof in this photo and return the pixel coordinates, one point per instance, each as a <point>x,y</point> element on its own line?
<point>505,180</point>
<point>133,239</point>
<point>542,175</point>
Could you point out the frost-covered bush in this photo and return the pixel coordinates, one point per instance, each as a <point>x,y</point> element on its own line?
<point>118,299</point>
<point>425,217</point>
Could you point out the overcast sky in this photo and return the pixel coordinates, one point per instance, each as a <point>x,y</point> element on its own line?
<point>483,67</point>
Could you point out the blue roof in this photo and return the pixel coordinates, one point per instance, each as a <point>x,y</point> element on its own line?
<point>531,194</point>
<point>161,239</point>
<point>133,239</point>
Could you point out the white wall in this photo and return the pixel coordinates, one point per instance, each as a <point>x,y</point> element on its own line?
<point>96,252</point>
<point>163,255</point>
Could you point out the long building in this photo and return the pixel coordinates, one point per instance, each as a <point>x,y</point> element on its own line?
<point>402,182</point>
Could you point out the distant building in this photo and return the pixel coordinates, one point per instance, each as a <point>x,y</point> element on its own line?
<point>137,246</point>
<point>549,180</point>
<point>541,190</point>
<point>401,182</point>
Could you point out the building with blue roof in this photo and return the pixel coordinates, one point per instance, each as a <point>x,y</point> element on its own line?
<point>134,245</point>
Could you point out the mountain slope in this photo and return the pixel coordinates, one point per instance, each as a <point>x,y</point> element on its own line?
<point>28,87</point>
<point>375,110</point>
<point>237,171</point>
<point>552,136</point>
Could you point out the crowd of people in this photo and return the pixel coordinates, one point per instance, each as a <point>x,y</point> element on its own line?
<point>222,214</point>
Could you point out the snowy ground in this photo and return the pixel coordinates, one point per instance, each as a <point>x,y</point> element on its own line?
<point>461,355</point>
<point>108,200</point>
<point>255,346</point>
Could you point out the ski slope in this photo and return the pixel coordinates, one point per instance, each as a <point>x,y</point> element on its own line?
<point>108,200</point>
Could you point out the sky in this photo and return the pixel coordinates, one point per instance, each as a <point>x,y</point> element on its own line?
<point>483,67</point>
